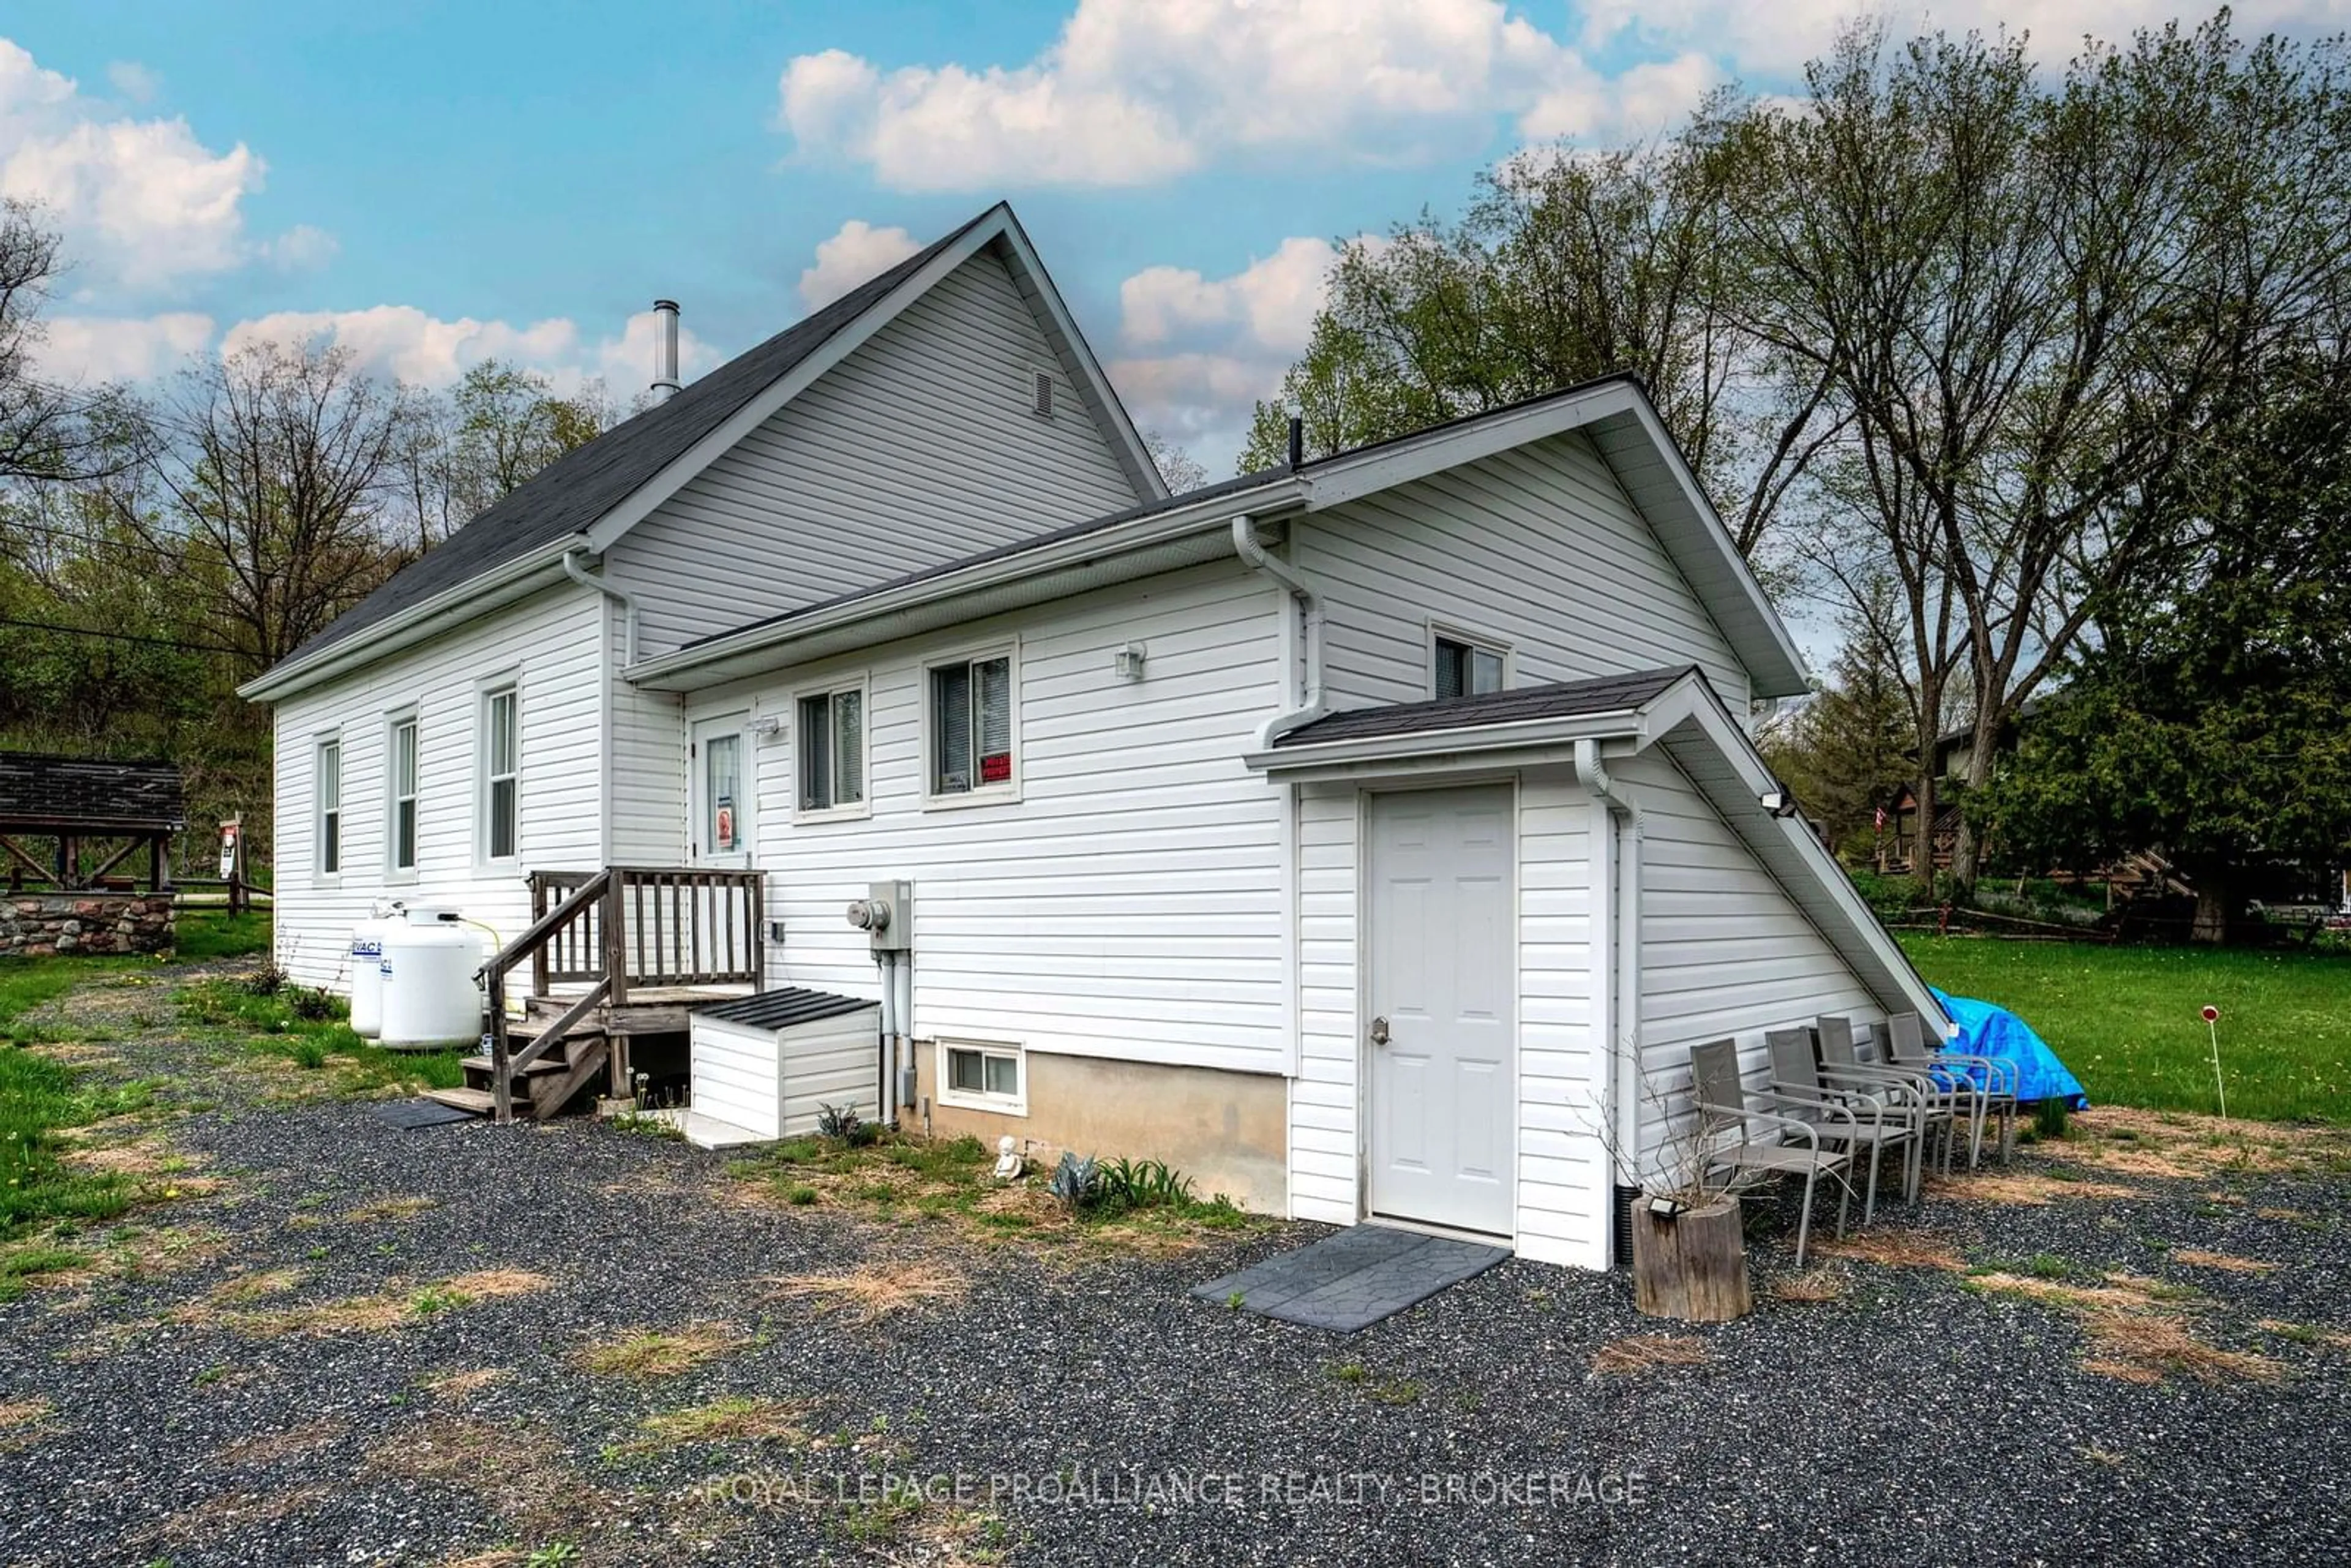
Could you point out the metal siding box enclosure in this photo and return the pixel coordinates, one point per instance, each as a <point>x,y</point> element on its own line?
<point>769,1063</point>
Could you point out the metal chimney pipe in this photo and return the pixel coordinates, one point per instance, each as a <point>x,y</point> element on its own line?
<point>664,349</point>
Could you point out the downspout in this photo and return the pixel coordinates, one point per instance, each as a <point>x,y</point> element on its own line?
<point>1308,704</point>
<point>618,595</point>
<point>1621,1012</point>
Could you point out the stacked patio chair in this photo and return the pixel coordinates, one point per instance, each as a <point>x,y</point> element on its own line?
<point>1935,1107</point>
<point>1778,1135</point>
<point>1994,1080</point>
<point>1876,1122</point>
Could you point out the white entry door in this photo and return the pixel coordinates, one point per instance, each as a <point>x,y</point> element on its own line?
<point>1439,988</point>
<point>722,789</point>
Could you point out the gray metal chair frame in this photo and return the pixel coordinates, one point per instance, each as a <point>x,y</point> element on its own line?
<point>1867,1125</point>
<point>1905,1038</point>
<point>1931,1108</point>
<point>1773,1139</point>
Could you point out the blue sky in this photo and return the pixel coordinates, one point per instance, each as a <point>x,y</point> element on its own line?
<point>431,184</point>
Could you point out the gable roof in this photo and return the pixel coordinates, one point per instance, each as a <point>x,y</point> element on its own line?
<point>1613,412</point>
<point>1677,712</point>
<point>589,495</point>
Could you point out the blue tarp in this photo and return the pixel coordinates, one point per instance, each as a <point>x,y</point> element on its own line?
<point>1988,1031</point>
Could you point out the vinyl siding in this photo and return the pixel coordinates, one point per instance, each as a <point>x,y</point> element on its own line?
<point>552,643</point>
<point>1563,1168</point>
<point>1128,904</point>
<point>1725,953</point>
<point>918,448</point>
<point>1538,546</point>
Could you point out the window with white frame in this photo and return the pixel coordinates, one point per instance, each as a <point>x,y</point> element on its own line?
<point>983,1075</point>
<point>400,795</point>
<point>501,775</point>
<point>971,726</point>
<point>1463,668</point>
<point>328,775</point>
<point>832,749</point>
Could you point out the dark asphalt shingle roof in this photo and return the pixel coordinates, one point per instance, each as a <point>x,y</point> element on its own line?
<point>781,1010</point>
<point>88,792</point>
<point>1561,699</point>
<point>572,492</point>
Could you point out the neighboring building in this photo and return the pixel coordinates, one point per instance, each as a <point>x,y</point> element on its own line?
<point>1323,832</point>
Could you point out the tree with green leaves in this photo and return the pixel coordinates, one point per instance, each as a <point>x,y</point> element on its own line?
<point>2213,722</point>
<point>1567,266</point>
<point>2035,302</point>
<point>1846,750</point>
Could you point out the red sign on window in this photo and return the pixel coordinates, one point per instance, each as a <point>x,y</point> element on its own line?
<point>995,767</point>
<point>723,831</point>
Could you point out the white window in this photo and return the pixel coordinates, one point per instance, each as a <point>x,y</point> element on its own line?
<point>328,775</point>
<point>971,727</point>
<point>832,749</point>
<point>1462,668</point>
<point>501,776</point>
<point>983,1075</point>
<point>399,825</point>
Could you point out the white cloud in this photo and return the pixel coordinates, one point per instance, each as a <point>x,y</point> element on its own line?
<point>140,84</point>
<point>302,248</point>
<point>1197,352</point>
<point>405,341</point>
<point>1777,39</point>
<point>1138,90</point>
<point>855,253</point>
<point>142,203</point>
<point>83,350</point>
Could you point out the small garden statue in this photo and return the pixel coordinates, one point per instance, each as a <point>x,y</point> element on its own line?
<point>1008,1163</point>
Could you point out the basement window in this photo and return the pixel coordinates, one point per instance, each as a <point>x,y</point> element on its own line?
<point>971,724</point>
<point>1461,668</point>
<point>983,1076</point>
<point>832,749</point>
<point>328,775</point>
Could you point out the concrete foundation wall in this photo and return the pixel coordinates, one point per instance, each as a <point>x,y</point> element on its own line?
<point>1224,1130</point>
<point>38,925</point>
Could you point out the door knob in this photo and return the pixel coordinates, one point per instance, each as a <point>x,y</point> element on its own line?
<point>1379,1031</point>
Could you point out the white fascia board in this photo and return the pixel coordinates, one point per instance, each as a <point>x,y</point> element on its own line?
<point>500,586</point>
<point>641,502</point>
<point>1744,811</point>
<point>733,655</point>
<point>1348,478</point>
<point>1036,284</point>
<point>1523,742</point>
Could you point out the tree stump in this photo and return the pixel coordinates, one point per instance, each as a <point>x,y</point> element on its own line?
<point>1692,1266</point>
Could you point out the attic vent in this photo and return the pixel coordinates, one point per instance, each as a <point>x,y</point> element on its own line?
<point>1041,394</point>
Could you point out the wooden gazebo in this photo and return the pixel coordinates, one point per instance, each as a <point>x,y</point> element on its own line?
<point>73,823</point>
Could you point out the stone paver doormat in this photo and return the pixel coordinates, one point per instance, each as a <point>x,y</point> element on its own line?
<point>411,1115</point>
<point>1355,1279</point>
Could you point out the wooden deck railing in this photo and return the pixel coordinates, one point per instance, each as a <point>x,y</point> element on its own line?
<point>621,929</point>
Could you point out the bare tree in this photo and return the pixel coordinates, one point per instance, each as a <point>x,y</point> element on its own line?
<point>276,464</point>
<point>2030,306</point>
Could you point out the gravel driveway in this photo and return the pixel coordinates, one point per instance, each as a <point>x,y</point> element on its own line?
<point>507,1346</point>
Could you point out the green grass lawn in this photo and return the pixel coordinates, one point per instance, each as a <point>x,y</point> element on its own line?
<point>2127,1019</point>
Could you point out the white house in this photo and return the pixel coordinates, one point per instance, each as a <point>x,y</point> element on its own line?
<point>1371,837</point>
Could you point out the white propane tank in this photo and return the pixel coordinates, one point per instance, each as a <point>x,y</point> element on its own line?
<point>367,967</point>
<point>430,999</point>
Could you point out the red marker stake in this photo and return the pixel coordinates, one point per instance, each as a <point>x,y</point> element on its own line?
<point>2212,1023</point>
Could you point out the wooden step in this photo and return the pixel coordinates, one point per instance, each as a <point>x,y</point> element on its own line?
<point>553,1062</point>
<point>479,1101</point>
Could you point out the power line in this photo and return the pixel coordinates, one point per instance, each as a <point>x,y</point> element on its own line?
<point>127,637</point>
